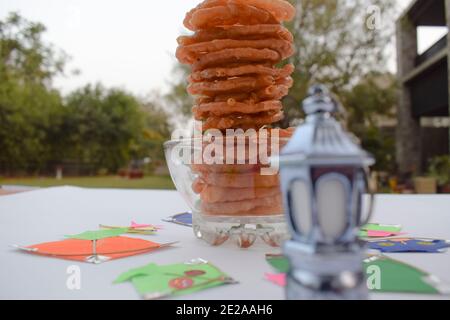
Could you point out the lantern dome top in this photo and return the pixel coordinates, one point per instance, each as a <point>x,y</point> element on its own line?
<point>321,139</point>
<point>319,100</point>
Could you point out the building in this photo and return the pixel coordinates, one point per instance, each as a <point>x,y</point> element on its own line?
<point>424,87</point>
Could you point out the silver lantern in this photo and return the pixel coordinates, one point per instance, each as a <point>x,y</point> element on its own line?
<point>324,179</point>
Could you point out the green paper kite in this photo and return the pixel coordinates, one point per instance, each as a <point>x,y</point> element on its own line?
<point>278,262</point>
<point>142,271</point>
<point>381,227</point>
<point>97,235</point>
<point>377,230</point>
<point>395,276</point>
<point>153,281</point>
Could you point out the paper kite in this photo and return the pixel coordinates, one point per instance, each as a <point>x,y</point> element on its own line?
<point>277,278</point>
<point>394,276</point>
<point>377,230</point>
<point>410,245</point>
<point>184,219</point>
<point>159,281</point>
<point>135,228</point>
<point>278,262</point>
<point>94,246</point>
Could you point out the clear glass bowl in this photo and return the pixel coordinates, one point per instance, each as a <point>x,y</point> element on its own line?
<point>237,202</point>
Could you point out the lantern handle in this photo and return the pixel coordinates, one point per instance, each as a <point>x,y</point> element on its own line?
<point>372,197</point>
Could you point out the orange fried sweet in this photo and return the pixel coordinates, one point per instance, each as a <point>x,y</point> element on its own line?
<point>250,69</point>
<point>189,54</point>
<point>245,206</point>
<point>238,32</point>
<point>233,55</point>
<point>243,121</point>
<point>229,15</point>
<point>214,194</point>
<point>237,83</point>
<point>217,109</point>
<point>242,180</point>
<point>279,10</point>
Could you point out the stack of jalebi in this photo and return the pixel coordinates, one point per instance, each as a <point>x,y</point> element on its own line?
<point>241,189</point>
<point>233,54</point>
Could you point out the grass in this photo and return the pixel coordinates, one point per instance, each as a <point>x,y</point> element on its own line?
<point>148,182</point>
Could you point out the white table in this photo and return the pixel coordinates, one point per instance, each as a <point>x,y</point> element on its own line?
<point>48,214</point>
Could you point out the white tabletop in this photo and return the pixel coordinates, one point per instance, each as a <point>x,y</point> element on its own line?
<point>48,214</point>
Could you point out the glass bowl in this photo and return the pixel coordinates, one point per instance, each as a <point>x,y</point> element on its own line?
<point>231,188</point>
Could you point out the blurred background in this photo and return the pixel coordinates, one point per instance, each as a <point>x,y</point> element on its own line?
<point>89,90</point>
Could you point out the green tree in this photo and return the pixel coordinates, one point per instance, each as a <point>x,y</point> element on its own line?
<point>337,43</point>
<point>107,128</point>
<point>29,106</point>
<point>371,110</point>
<point>157,131</point>
<point>101,126</point>
<point>178,99</point>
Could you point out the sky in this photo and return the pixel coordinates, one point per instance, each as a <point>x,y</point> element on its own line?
<point>128,44</point>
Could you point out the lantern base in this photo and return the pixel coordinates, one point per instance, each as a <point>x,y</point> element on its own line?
<point>330,273</point>
<point>298,291</point>
<point>244,231</point>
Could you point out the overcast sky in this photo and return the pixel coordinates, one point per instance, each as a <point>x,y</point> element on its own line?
<point>128,44</point>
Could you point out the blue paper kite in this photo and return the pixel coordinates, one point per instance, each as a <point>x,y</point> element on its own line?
<point>184,219</point>
<point>410,245</point>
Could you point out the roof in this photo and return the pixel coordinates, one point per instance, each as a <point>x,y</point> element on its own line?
<point>426,12</point>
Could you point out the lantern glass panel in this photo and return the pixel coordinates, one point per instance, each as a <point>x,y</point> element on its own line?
<point>363,204</point>
<point>332,205</point>
<point>301,206</point>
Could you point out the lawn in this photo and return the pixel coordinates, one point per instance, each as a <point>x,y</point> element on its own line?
<point>148,182</point>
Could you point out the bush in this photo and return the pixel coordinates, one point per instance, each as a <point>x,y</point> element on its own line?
<point>439,168</point>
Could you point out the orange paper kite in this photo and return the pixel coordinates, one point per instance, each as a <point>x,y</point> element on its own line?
<point>94,251</point>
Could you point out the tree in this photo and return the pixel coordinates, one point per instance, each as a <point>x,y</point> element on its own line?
<point>337,43</point>
<point>157,131</point>
<point>23,53</point>
<point>178,99</point>
<point>101,126</point>
<point>107,128</point>
<point>371,109</point>
<point>40,130</point>
<point>29,106</point>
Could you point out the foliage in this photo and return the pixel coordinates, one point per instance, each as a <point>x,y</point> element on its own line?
<point>40,129</point>
<point>101,126</point>
<point>29,107</point>
<point>24,55</point>
<point>178,98</point>
<point>335,46</point>
<point>440,169</point>
<point>148,182</point>
<point>369,104</point>
<point>157,131</point>
<point>110,127</point>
